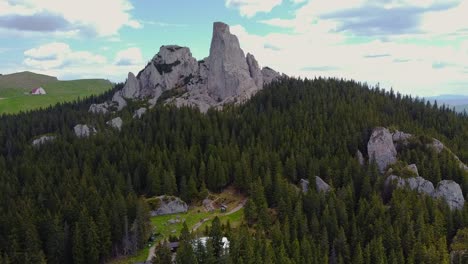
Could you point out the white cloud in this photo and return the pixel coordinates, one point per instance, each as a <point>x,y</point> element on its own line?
<point>249,8</point>
<point>86,17</point>
<point>130,56</point>
<point>59,55</point>
<point>409,63</point>
<point>59,59</point>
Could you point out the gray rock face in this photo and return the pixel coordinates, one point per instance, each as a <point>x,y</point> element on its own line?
<point>139,113</point>
<point>131,88</point>
<point>360,158</point>
<point>418,184</point>
<point>269,75</point>
<point>226,76</point>
<point>82,130</point>
<point>115,123</point>
<point>42,140</point>
<point>169,205</point>
<point>304,185</point>
<point>437,145</point>
<point>451,192</point>
<point>413,168</point>
<point>401,137</point>
<point>229,75</point>
<point>99,108</point>
<point>321,185</point>
<point>254,70</point>
<point>381,149</point>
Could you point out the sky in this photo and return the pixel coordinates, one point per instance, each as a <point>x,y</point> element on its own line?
<point>417,47</point>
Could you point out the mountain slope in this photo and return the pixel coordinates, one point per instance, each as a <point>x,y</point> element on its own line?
<point>15,94</point>
<point>24,80</point>
<point>294,129</point>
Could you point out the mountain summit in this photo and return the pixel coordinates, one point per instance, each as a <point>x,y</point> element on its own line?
<point>173,76</point>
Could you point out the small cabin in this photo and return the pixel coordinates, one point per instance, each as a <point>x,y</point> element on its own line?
<point>223,208</point>
<point>38,91</point>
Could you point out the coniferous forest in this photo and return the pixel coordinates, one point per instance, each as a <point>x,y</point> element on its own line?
<point>78,200</point>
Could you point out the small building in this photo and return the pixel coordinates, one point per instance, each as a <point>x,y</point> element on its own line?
<point>223,208</point>
<point>38,91</point>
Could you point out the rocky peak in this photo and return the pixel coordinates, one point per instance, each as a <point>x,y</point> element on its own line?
<point>225,76</point>
<point>229,73</point>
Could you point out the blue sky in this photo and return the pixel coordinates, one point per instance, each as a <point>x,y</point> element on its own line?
<point>418,47</point>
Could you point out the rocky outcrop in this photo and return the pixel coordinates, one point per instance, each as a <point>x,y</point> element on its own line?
<point>139,113</point>
<point>169,205</point>
<point>418,184</point>
<point>173,76</point>
<point>451,192</point>
<point>320,185</point>
<point>269,75</point>
<point>42,140</point>
<point>381,148</point>
<point>254,70</point>
<point>401,137</point>
<point>360,158</point>
<point>115,123</point>
<point>83,131</point>
<point>99,108</point>
<point>413,168</point>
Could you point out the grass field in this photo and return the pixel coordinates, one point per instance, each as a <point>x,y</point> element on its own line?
<point>15,99</point>
<point>195,215</point>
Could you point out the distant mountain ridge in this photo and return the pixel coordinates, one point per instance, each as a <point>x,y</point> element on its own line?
<point>459,102</point>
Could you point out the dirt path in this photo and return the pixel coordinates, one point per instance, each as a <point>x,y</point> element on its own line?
<point>197,225</point>
<point>151,254</point>
<point>237,208</point>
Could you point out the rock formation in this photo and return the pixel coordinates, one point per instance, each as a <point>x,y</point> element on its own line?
<point>451,192</point>
<point>82,130</point>
<point>139,113</point>
<point>360,158</point>
<point>174,76</point>
<point>42,140</point>
<point>381,148</point>
<point>169,205</point>
<point>115,123</point>
<point>320,185</point>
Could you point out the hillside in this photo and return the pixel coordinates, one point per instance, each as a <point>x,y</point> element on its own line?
<point>15,94</point>
<point>94,188</point>
<point>24,80</point>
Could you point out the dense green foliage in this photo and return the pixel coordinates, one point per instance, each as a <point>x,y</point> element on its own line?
<point>77,200</point>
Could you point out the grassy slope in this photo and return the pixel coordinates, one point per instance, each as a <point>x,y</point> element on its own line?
<point>15,99</point>
<point>24,80</point>
<point>192,217</point>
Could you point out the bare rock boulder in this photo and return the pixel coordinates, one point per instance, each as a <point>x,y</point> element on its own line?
<point>451,192</point>
<point>381,148</point>
<point>360,158</point>
<point>169,205</point>
<point>139,113</point>
<point>418,184</point>
<point>115,123</point>
<point>82,130</point>
<point>43,140</point>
